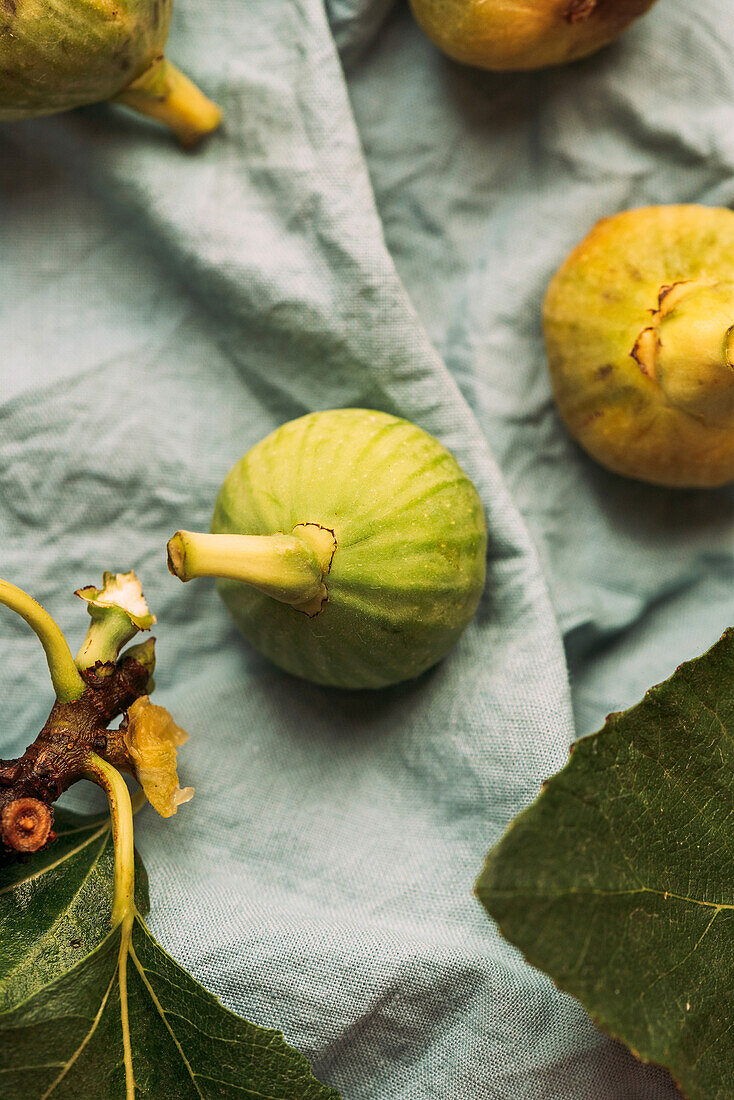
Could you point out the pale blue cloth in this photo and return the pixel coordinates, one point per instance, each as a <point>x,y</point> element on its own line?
<point>382,239</point>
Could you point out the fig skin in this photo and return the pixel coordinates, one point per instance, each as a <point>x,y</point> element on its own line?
<point>56,55</point>
<point>524,34</point>
<point>401,542</point>
<point>639,330</point>
<point>59,54</point>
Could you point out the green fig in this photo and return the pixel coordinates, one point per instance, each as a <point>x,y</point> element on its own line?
<point>350,548</point>
<point>59,54</point>
<point>524,34</point>
<point>639,328</point>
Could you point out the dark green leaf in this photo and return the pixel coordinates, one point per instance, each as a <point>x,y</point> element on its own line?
<point>619,880</point>
<point>60,996</point>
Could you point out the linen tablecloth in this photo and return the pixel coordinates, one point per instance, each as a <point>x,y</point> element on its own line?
<point>374,226</point>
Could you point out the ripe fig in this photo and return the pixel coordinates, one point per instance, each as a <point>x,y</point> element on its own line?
<point>350,548</point>
<point>639,329</point>
<point>55,56</point>
<point>505,34</point>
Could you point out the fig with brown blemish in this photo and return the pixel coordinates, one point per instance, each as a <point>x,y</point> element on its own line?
<point>524,34</point>
<point>639,329</point>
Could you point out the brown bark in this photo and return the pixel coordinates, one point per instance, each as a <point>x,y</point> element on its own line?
<point>57,758</point>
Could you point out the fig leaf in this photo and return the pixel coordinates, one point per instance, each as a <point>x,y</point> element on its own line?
<point>60,996</point>
<point>617,881</point>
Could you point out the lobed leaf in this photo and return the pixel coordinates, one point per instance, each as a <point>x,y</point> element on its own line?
<point>618,880</point>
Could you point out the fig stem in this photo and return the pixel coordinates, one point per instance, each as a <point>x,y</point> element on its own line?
<point>105,638</point>
<point>290,568</point>
<point>109,779</point>
<point>123,902</point>
<point>688,349</point>
<point>67,682</point>
<point>164,93</point>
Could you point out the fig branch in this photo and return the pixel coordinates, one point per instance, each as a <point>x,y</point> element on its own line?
<point>58,757</point>
<point>75,742</point>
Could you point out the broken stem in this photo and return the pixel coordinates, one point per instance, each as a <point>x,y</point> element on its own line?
<point>67,682</point>
<point>118,611</point>
<point>106,637</point>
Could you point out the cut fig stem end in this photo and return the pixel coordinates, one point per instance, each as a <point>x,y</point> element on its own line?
<point>164,93</point>
<point>688,349</point>
<point>289,568</point>
<point>25,824</point>
<point>118,610</point>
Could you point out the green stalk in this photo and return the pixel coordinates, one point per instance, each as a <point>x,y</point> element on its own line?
<point>65,677</point>
<point>165,94</point>
<point>123,904</point>
<point>290,568</point>
<point>106,637</point>
<point>121,814</point>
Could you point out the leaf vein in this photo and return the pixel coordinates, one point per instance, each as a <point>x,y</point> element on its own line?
<point>162,1014</point>
<point>52,866</point>
<point>85,1040</point>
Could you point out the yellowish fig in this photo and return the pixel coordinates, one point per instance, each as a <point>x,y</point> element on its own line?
<point>60,54</point>
<point>524,34</point>
<point>639,329</point>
